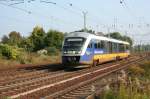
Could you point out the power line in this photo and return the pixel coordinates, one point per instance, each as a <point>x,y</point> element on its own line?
<point>60,6</point>
<point>16,3</point>
<point>24,10</point>
<point>37,14</point>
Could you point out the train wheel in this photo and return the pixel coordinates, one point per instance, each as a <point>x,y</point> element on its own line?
<point>117,58</point>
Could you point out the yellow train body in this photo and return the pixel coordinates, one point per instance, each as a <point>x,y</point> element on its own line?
<point>110,56</point>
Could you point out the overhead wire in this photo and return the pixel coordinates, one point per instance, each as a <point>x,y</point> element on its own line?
<point>77,12</point>
<point>37,14</point>
<point>61,6</point>
<point>94,19</point>
<point>131,13</point>
<point>24,10</point>
<point>71,8</point>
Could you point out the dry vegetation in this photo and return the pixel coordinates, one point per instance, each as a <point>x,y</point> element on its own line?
<point>136,84</point>
<point>31,58</point>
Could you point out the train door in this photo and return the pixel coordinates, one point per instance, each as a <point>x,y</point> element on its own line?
<point>88,56</point>
<point>90,51</point>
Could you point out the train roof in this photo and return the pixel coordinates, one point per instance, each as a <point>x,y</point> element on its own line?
<point>93,36</point>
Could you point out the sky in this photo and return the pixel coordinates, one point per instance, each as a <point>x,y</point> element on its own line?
<point>131,17</point>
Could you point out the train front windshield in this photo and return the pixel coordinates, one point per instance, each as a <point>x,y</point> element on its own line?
<point>73,45</point>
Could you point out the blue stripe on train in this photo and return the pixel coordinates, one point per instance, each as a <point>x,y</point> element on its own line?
<point>88,56</point>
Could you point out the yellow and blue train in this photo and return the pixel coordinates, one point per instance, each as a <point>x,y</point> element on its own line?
<point>86,48</point>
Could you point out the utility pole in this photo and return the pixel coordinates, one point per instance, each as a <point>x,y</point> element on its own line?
<point>108,30</point>
<point>84,15</point>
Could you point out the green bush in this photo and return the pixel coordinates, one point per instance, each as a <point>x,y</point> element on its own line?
<point>109,95</point>
<point>52,51</point>
<point>8,51</point>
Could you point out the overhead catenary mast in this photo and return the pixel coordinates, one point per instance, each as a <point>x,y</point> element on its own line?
<point>84,15</point>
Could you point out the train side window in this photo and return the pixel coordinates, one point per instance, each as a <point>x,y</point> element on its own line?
<point>114,47</point>
<point>106,46</point>
<point>95,45</point>
<point>110,47</point>
<point>102,46</point>
<point>117,47</point>
<point>99,44</point>
<point>90,45</point>
<point>121,48</point>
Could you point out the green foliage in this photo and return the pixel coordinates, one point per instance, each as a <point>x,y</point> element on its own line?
<point>109,95</point>
<point>5,39</point>
<point>27,44</point>
<point>37,38</point>
<point>8,51</point>
<point>128,39</point>
<point>117,35</point>
<point>14,39</point>
<point>54,39</point>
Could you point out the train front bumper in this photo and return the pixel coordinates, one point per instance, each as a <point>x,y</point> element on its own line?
<point>74,60</point>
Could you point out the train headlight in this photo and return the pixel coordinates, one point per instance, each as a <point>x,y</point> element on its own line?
<point>73,52</point>
<point>79,52</point>
<point>65,52</point>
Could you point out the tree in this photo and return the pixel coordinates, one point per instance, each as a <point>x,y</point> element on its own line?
<point>128,39</point>
<point>14,38</point>
<point>117,35</point>
<point>37,38</point>
<point>27,44</point>
<point>54,39</point>
<point>5,39</point>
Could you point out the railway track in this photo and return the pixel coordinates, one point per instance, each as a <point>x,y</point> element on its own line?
<point>48,84</point>
<point>93,87</point>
